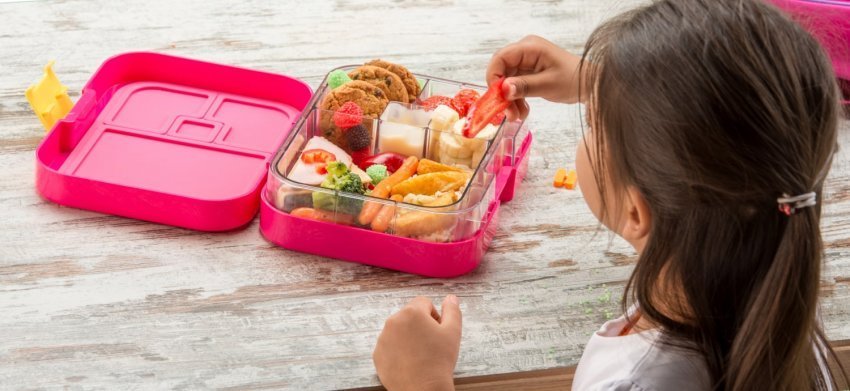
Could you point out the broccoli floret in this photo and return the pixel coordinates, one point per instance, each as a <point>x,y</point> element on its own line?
<point>324,201</point>
<point>337,202</point>
<point>377,172</point>
<point>348,182</point>
<point>336,169</point>
<point>341,179</point>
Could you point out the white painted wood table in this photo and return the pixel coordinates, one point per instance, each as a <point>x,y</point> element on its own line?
<point>90,301</point>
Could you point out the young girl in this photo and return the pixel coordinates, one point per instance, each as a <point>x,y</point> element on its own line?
<point>712,125</point>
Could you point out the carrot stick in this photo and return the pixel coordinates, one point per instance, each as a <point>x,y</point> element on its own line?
<point>560,176</point>
<point>382,189</point>
<point>570,180</point>
<point>382,220</point>
<point>322,215</point>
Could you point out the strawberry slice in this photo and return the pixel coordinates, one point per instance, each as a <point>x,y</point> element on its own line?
<point>497,119</point>
<point>432,102</point>
<point>463,100</point>
<point>485,109</point>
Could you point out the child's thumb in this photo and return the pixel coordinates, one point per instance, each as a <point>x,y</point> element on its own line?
<point>451,315</point>
<point>525,86</point>
<point>514,88</point>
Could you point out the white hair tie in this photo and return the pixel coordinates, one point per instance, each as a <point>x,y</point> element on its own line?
<point>789,205</point>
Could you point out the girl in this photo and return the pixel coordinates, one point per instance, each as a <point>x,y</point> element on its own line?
<point>712,125</point>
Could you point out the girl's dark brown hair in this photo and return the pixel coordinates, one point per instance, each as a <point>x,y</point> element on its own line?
<point>712,109</point>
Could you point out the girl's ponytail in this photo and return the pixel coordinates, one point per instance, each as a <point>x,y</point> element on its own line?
<point>710,109</point>
<point>777,344</point>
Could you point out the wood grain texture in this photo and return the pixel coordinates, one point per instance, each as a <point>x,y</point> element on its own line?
<point>90,301</point>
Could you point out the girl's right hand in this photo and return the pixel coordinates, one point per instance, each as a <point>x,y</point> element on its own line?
<point>418,347</point>
<point>535,67</point>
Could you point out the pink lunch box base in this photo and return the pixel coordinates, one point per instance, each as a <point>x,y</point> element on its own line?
<point>442,260</point>
<point>377,249</point>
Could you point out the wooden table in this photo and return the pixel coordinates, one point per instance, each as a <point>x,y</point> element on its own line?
<point>94,301</point>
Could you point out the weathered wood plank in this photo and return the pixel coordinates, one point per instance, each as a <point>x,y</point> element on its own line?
<point>94,301</point>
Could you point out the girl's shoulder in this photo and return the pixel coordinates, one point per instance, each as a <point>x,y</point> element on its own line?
<point>637,362</point>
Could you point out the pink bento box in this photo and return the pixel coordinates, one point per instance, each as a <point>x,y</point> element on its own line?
<point>829,22</point>
<point>189,143</point>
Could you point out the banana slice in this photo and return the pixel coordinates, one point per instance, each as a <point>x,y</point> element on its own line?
<point>455,146</point>
<point>443,118</point>
<point>477,156</point>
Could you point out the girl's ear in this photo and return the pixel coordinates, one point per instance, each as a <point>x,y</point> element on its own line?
<point>637,220</point>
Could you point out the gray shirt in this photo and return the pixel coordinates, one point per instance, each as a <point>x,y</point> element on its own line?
<point>637,362</point>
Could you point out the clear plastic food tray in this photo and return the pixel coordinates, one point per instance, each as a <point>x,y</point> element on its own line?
<point>438,241</point>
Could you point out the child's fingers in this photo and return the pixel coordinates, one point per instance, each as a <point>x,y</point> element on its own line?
<point>424,305</point>
<point>518,109</point>
<point>451,317</point>
<point>522,57</point>
<point>531,85</point>
<point>523,109</point>
<point>512,112</point>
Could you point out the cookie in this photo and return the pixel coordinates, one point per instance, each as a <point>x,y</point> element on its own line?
<point>387,81</point>
<point>410,82</point>
<point>371,99</point>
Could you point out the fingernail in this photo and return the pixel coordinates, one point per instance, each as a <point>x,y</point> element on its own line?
<point>452,299</point>
<point>511,91</point>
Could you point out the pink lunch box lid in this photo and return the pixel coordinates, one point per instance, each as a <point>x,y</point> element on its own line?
<point>170,140</point>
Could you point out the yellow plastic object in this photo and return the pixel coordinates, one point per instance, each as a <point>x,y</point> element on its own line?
<point>570,181</point>
<point>49,98</point>
<point>560,176</point>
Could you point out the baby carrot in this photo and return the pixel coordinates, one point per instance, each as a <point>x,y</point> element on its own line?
<point>382,190</point>
<point>570,181</point>
<point>322,215</point>
<point>560,176</point>
<point>382,220</point>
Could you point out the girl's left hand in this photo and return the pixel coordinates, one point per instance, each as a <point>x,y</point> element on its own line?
<point>418,348</point>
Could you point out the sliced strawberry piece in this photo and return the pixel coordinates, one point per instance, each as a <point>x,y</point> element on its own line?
<point>482,112</point>
<point>497,119</point>
<point>432,102</point>
<point>463,100</point>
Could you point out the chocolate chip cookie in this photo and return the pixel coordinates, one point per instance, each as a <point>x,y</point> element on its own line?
<point>371,99</point>
<point>387,81</point>
<point>410,82</point>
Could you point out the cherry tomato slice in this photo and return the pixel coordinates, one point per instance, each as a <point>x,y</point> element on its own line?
<point>317,156</point>
<point>483,111</point>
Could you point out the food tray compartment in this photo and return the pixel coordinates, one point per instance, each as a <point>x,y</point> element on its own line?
<point>433,86</point>
<point>494,169</point>
<point>453,222</point>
